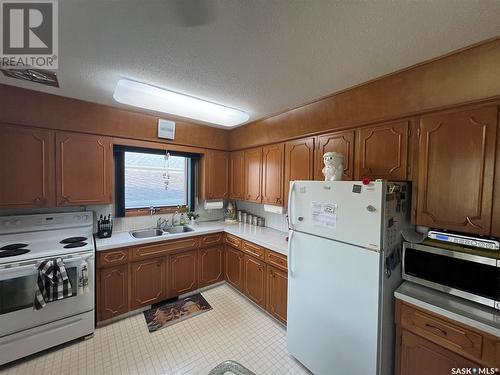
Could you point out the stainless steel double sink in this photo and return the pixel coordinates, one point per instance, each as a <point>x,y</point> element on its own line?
<point>154,232</point>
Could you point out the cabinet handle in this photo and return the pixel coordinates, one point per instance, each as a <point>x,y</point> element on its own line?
<point>471,223</point>
<point>65,198</point>
<point>436,328</point>
<point>37,200</point>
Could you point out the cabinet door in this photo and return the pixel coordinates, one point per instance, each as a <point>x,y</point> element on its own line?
<point>237,175</point>
<point>254,272</point>
<point>277,289</point>
<point>233,264</point>
<point>272,174</point>
<point>382,151</point>
<point>341,142</point>
<point>83,169</point>
<point>113,291</point>
<point>147,282</point>
<point>495,221</point>
<point>215,175</point>
<point>421,357</point>
<point>210,265</point>
<point>299,162</point>
<point>182,273</point>
<point>26,167</point>
<point>253,175</point>
<point>456,170</point>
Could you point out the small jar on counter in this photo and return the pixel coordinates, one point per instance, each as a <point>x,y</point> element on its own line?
<point>254,220</point>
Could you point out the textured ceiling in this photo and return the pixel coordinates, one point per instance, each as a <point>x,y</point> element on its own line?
<point>259,56</point>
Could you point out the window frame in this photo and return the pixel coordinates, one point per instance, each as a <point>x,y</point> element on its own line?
<point>190,178</point>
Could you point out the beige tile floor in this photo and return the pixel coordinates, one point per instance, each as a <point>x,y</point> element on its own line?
<point>235,329</point>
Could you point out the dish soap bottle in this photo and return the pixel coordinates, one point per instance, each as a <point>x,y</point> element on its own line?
<point>182,220</point>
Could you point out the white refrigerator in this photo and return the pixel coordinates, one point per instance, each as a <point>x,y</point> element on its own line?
<point>343,266</point>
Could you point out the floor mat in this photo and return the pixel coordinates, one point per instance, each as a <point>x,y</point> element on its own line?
<point>173,312</point>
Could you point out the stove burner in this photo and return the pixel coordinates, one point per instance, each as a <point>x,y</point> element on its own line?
<point>14,246</point>
<point>74,239</point>
<point>75,244</point>
<point>13,252</point>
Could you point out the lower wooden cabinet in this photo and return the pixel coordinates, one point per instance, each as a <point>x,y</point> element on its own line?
<point>277,291</point>
<point>210,265</point>
<point>254,285</point>
<point>147,282</point>
<point>182,273</point>
<point>421,357</point>
<point>234,267</point>
<point>113,291</point>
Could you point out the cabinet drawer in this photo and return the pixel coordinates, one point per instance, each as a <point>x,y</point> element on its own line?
<point>163,248</point>
<point>277,260</point>
<point>112,257</point>
<point>451,336</point>
<point>211,239</point>
<point>233,241</point>
<point>253,249</point>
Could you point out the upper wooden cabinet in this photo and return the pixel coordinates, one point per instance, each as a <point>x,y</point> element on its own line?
<point>26,167</point>
<point>299,162</point>
<point>273,158</point>
<point>341,142</point>
<point>215,175</point>
<point>382,151</point>
<point>456,170</point>
<point>237,175</point>
<point>83,169</point>
<point>495,221</point>
<point>253,175</point>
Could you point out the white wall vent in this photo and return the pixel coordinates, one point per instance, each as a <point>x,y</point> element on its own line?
<point>166,129</point>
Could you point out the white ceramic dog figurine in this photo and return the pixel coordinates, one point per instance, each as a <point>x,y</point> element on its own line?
<point>334,166</point>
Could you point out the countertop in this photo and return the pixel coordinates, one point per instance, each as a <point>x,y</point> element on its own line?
<point>481,317</point>
<point>269,238</point>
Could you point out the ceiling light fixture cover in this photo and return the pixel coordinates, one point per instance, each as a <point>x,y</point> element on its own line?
<point>154,98</point>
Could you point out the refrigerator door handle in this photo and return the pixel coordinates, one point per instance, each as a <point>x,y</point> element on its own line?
<point>290,216</point>
<point>290,262</point>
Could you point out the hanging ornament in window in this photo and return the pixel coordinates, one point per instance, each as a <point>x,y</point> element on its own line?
<point>166,166</point>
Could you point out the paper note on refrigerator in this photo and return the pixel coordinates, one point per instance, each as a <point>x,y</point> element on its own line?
<point>324,214</point>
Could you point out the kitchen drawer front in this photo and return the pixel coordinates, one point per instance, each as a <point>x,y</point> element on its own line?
<point>253,250</point>
<point>233,241</point>
<point>443,332</point>
<point>113,257</point>
<point>278,260</point>
<point>148,251</point>
<point>211,239</point>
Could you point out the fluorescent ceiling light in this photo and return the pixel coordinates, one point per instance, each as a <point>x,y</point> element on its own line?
<point>154,98</point>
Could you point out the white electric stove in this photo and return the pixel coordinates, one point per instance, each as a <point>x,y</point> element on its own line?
<point>25,241</point>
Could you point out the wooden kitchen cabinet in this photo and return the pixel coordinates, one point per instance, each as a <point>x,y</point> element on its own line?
<point>237,175</point>
<point>253,175</point>
<point>277,289</point>
<point>421,357</point>
<point>210,265</point>
<point>214,174</point>
<point>254,285</point>
<point>299,162</point>
<point>147,282</point>
<point>382,151</point>
<point>26,167</point>
<point>456,170</point>
<point>83,169</point>
<point>182,272</point>
<point>273,158</point>
<point>341,142</point>
<point>113,291</point>
<point>233,264</point>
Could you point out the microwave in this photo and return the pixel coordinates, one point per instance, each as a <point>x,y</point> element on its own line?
<point>463,274</point>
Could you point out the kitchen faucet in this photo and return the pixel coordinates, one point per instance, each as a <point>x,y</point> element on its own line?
<point>161,223</point>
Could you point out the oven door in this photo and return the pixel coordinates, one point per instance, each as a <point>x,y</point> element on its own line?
<point>17,294</point>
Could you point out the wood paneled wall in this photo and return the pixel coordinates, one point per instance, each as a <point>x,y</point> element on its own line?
<point>467,76</point>
<point>32,108</point>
